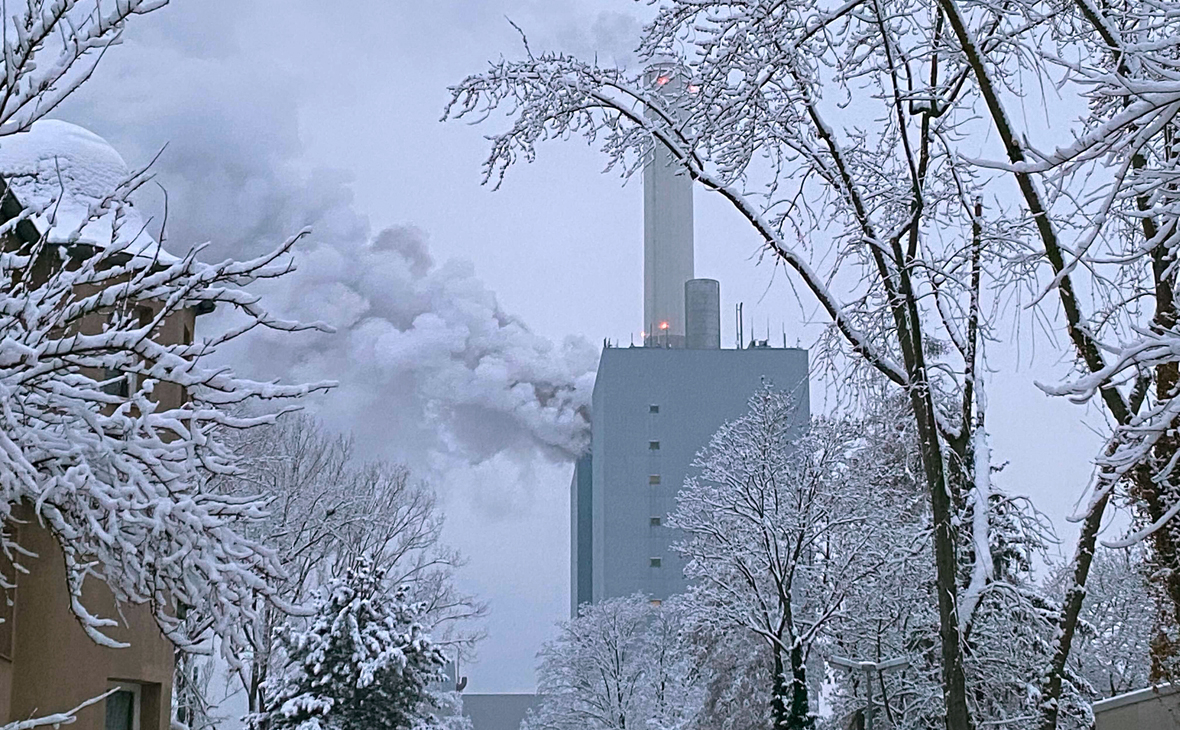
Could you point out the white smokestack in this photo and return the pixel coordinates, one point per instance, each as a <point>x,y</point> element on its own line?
<point>667,227</point>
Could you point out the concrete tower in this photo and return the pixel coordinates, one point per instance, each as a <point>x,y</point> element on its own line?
<point>667,227</point>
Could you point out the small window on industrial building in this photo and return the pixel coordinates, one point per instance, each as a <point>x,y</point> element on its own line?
<point>656,562</point>
<point>653,479</point>
<point>653,445</point>
<point>655,521</point>
<point>656,602</point>
<point>653,408</point>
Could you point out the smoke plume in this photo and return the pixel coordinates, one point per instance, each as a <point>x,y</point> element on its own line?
<point>424,352</point>
<point>429,364</point>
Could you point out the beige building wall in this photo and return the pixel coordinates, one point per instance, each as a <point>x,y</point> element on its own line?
<point>1155,708</point>
<point>47,662</point>
<point>55,666</point>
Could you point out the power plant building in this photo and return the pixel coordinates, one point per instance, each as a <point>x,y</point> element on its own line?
<point>655,407</point>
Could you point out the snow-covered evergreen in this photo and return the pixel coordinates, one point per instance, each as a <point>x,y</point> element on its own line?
<point>363,661</point>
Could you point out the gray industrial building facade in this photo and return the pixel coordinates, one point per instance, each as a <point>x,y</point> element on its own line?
<point>654,409</point>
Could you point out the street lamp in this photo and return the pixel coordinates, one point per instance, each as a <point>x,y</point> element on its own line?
<point>869,668</point>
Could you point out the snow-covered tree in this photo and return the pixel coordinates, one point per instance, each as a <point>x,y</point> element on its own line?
<point>889,190</point>
<point>363,661</point>
<point>622,663</point>
<point>116,475</point>
<point>772,543</point>
<point>849,136</point>
<point>734,666</point>
<point>1117,625</point>
<point>1127,237</point>
<point>326,509</point>
<point>892,613</point>
<point>109,429</point>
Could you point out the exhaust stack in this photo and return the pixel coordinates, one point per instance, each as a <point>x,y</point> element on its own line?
<point>667,226</point>
<point>702,312</point>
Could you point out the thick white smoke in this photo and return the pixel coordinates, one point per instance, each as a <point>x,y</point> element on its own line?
<point>429,365</point>
<point>426,359</point>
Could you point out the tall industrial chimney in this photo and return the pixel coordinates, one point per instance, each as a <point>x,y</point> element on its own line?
<point>702,314</point>
<point>667,226</point>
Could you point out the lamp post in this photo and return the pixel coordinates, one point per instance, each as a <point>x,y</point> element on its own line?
<point>869,668</point>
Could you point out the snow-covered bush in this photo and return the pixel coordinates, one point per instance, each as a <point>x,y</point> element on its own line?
<point>364,661</point>
<point>622,663</point>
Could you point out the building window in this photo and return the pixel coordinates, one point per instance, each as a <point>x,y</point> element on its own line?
<point>653,408</point>
<point>655,563</point>
<point>653,445</point>
<point>655,602</point>
<point>653,479</point>
<point>655,521</point>
<point>122,707</point>
<point>116,382</point>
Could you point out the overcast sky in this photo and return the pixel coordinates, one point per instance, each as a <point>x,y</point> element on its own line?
<point>280,115</point>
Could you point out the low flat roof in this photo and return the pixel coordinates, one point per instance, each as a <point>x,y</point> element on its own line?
<point>1130,698</point>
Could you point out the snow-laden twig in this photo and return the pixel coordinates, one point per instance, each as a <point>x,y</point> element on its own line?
<point>68,717</point>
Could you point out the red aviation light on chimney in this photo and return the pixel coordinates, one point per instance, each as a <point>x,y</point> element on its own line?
<point>663,325</point>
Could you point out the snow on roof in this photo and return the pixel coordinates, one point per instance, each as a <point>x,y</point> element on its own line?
<point>56,159</point>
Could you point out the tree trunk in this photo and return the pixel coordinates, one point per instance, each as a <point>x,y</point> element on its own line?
<point>790,708</point>
<point>1070,609</point>
<point>779,714</point>
<point>954,678</point>
<point>800,717</point>
<point>1159,496</point>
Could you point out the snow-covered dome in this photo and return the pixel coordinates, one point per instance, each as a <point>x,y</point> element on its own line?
<point>56,159</point>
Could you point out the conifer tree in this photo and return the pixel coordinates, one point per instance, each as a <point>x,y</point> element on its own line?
<point>363,661</point>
